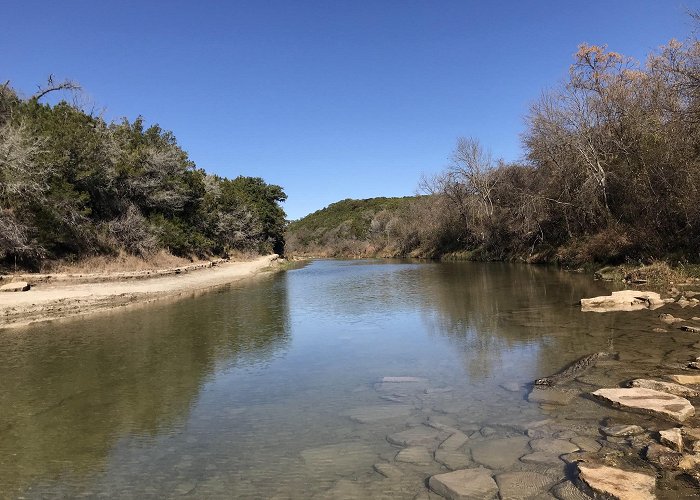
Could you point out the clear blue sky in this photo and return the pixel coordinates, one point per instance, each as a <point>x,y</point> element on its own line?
<point>329,99</point>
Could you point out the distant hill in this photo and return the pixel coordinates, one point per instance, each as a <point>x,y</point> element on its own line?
<point>345,228</point>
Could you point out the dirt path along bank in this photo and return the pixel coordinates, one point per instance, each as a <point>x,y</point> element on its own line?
<point>60,297</point>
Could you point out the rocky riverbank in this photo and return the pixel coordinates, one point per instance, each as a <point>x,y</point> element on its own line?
<point>609,425</point>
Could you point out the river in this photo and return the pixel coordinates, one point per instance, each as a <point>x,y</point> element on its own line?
<point>273,388</point>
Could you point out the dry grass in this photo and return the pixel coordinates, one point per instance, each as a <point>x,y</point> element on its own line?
<point>123,262</point>
<point>661,272</point>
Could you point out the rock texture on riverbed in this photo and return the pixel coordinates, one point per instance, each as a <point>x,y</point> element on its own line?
<point>648,401</point>
<point>616,483</point>
<point>466,484</point>
<point>624,300</point>
<point>575,369</point>
<point>500,454</point>
<point>368,414</point>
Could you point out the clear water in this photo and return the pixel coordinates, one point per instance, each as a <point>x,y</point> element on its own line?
<point>235,393</point>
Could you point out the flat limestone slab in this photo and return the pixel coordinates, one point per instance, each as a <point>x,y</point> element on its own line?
<point>465,484</point>
<point>500,453</point>
<point>517,485</point>
<point>452,459</point>
<point>624,300</point>
<point>648,401</point>
<point>420,435</point>
<point>416,455</point>
<point>541,457</point>
<point>617,483</point>
<point>685,379</point>
<point>550,395</point>
<point>553,446</point>
<point>368,414</point>
<point>670,387</point>
<point>17,286</point>
<point>339,458</point>
<point>387,470</point>
<point>343,489</point>
<point>455,441</point>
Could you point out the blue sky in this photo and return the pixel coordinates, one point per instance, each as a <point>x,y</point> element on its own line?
<point>329,99</point>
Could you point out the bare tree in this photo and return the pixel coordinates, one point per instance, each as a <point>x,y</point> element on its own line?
<point>53,86</point>
<point>472,167</point>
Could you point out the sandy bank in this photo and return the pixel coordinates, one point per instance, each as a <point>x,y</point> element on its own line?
<point>61,297</point>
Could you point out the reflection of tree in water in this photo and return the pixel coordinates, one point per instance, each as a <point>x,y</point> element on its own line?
<point>489,309</point>
<point>71,390</point>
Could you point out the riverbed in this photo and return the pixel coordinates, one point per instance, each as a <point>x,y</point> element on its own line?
<point>302,383</point>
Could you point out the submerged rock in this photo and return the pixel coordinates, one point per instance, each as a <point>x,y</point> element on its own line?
<point>420,435</point>
<point>344,489</point>
<point>648,401</point>
<point>452,459</point>
<point>487,431</point>
<point>669,387</point>
<point>622,430</point>
<point>541,457</point>
<point>586,443</point>
<point>553,446</point>
<point>500,453</point>
<point>577,368</point>
<point>616,483</point>
<point>416,455</point>
<point>512,386</point>
<point>465,484</point>
<point>339,458</point>
<point>388,470</point>
<point>368,414</point>
<point>551,396</point>
<point>624,300</point>
<point>566,490</point>
<point>455,441</point>
<point>521,485</point>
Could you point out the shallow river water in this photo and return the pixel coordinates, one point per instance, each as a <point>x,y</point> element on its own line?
<point>273,388</point>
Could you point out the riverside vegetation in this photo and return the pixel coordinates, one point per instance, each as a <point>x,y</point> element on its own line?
<point>73,185</point>
<point>610,173</point>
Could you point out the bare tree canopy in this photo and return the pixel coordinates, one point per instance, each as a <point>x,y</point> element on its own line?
<point>54,86</point>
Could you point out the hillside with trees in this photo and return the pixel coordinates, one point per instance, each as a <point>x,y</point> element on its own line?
<point>73,186</point>
<point>354,228</point>
<point>611,173</point>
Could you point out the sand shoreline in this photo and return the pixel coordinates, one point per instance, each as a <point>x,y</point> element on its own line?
<point>63,297</point>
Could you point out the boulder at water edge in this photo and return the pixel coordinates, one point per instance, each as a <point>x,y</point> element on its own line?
<point>624,300</point>
<point>17,286</point>
<point>648,401</point>
<point>465,484</point>
<point>616,483</point>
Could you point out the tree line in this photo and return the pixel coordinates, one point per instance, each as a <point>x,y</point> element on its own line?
<point>73,185</point>
<point>611,172</point>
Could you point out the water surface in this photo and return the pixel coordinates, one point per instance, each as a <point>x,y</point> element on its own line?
<point>235,393</point>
